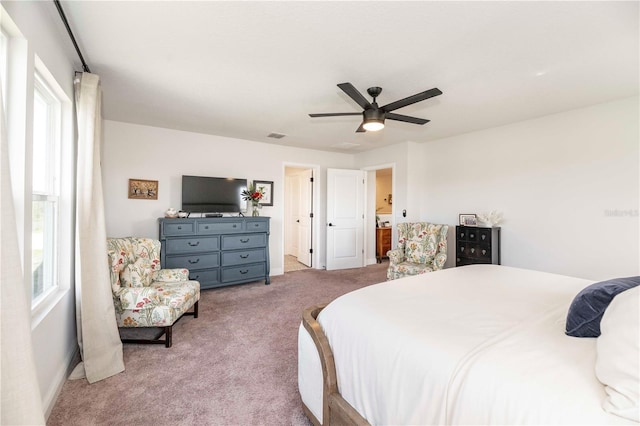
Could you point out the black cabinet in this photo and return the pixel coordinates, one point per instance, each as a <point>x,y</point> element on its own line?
<point>475,244</point>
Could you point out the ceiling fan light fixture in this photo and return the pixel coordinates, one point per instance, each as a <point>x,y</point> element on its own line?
<point>373,119</point>
<point>373,125</point>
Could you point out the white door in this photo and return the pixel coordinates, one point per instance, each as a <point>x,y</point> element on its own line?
<point>294,211</point>
<point>345,218</point>
<point>305,206</point>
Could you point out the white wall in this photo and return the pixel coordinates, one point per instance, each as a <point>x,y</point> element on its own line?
<point>556,179</point>
<point>53,331</point>
<point>143,152</point>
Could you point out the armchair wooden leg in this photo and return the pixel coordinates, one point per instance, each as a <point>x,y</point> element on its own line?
<point>168,331</point>
<point>195,310</point>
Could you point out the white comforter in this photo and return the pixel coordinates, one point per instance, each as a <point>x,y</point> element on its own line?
<point>480,344</point>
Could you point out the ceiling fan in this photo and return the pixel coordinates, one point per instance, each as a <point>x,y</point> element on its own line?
<point>373,115</point>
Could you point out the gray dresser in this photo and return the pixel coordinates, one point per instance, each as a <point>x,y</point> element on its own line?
<point>217,251</point>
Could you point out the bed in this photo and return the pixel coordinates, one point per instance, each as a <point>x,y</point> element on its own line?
<point>480,344</point>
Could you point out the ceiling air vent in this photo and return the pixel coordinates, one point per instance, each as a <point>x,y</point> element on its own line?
<point>276,135</point>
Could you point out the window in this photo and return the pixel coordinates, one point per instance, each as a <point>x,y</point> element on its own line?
<point>4,63</point>
<point>45,190</point>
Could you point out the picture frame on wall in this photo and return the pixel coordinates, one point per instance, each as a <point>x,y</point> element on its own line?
<point>142,189</point>
<point>267,189</point>
<point>468,219</point>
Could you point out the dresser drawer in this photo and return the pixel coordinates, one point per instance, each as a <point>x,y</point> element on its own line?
<point>209,276</point>
<point>244,273</point>
<point>231,242</point>
<point>219,227</point>
<point>178,228</point>
<point>242,257</point>
<point>192,245</point>
<point>194,261</point>
<point>472,234</point>
<point>257,226</point>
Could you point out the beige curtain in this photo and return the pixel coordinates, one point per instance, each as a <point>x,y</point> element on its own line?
<point>21,402</point>
<point>98,337</point>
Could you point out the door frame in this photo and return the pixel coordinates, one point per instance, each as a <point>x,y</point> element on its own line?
<point>315,200</point>
<point>370,213</point>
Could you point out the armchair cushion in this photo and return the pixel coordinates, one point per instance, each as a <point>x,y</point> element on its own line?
<point>171,275</point>
<point>137,274</point>
<point>137,297</point>
<point>421,249</point>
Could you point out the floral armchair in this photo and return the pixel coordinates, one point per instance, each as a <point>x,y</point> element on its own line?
<point>422,247</point>
<point>144,295</point>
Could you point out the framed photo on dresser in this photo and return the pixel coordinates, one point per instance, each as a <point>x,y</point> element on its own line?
<point>468,220</point>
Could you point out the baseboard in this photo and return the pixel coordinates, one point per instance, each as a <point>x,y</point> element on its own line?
<point>49,400</point>
<point>372,261</point>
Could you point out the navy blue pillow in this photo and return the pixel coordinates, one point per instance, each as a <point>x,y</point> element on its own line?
<point>587,308</point>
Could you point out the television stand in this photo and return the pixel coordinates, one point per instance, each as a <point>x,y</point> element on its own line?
<point>213,215</point>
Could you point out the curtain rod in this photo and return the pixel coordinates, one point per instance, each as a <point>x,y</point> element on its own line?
<point>85,67</point>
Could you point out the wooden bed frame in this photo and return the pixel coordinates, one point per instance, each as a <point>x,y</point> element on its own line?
<point>335,409</point>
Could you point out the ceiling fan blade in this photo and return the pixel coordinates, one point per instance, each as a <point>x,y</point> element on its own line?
<point>405,118</point>
<point>361,128</point>
<point>334,114</point>
<point>412,99</point>
<point>355,95</point>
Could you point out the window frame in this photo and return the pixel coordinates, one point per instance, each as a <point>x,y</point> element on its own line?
<point>4,61</point>
<point>50,193</point>
<point>65,229</point>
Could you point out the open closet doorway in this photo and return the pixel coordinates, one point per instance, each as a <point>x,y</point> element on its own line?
<point>380,231</point>
<point>298,218</point>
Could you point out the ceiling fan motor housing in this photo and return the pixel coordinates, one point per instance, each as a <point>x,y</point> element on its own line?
<point>373,114</point>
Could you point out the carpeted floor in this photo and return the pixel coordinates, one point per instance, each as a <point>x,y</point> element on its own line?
<point>234,365</point>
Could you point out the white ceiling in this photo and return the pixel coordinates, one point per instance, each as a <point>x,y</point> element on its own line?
<point>246,69</point>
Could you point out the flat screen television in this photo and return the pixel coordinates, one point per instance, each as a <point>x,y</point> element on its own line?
<point>201,194</point>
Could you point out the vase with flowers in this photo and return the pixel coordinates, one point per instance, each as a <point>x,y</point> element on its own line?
<point>253,195</point>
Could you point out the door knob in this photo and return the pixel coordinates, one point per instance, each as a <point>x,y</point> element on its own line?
<point>331,224</point>
<point>298,220</point>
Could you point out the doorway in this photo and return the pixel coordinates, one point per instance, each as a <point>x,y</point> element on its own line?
<point>380,216</point>
<point>298,218</point>
<point>384,212</point>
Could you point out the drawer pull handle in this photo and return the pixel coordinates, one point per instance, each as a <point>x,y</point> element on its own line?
<point>193,262</point>
<point>244,272</point>
<point>244,240</point>
<point>244,256</point>
<point>194,278</point>
<point>257,224</point>
<point>194,245</point>
<point>206,227</point>
<point>235,226</point>
<point>179,227</point>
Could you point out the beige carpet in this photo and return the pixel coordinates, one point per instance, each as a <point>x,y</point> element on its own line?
<point>234,365</point>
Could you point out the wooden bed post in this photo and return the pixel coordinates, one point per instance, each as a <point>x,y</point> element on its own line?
<point>335,409</point>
